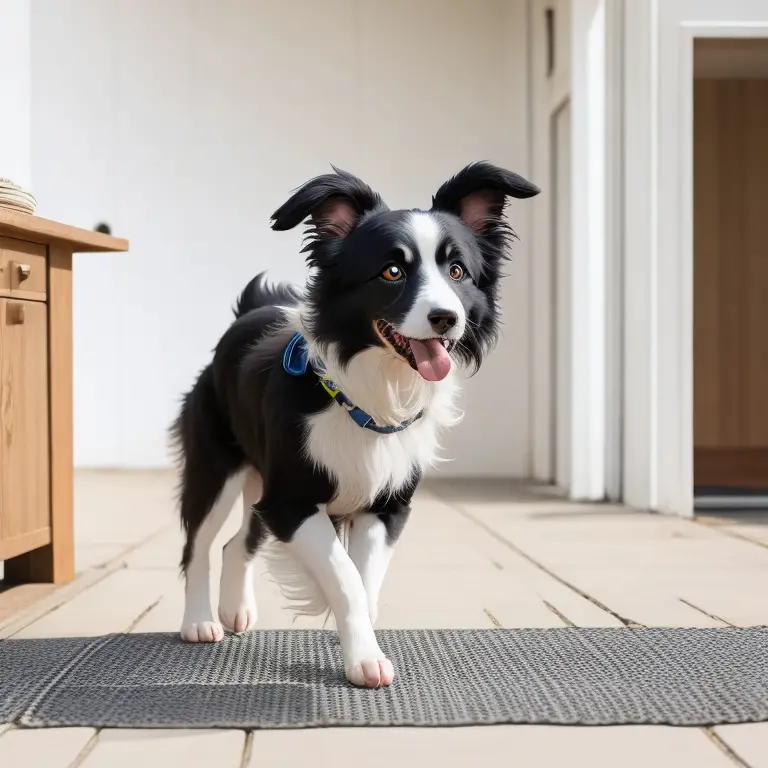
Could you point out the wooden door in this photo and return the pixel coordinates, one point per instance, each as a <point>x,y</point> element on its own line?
<point>24,433</point>
<point>731,283</point>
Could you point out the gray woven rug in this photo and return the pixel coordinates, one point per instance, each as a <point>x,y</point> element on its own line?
<point>279,679</point>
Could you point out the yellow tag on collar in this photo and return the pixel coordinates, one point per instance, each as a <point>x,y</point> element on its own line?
<point>327,386</point>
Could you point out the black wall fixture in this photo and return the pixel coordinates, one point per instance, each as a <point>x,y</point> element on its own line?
<point>550,20</point>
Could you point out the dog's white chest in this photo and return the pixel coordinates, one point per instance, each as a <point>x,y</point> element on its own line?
<point>363,463</point>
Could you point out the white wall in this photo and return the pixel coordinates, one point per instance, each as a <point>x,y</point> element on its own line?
<point>185,124</point>
<point>15,68</point>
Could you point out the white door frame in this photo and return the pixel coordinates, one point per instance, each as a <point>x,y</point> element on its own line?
<point>658,392</point>
<point>585,378</point>
<point>614,243</point>
<point>549,93</point>
<point>589,251</point>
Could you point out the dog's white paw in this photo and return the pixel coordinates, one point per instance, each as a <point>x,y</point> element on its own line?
<point>371,673</point>
<point>202,632</point>
<point>239,620</point>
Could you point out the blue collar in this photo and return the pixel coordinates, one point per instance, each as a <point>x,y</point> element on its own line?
<point>296,362</point>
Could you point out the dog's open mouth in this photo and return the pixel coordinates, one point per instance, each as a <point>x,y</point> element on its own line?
<point>430,357</point>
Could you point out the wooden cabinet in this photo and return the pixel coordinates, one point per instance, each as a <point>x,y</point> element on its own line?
<point>24,465</point>
<point>36,472</point>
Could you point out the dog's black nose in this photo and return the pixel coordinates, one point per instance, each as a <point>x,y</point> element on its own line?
<point>441,320</point>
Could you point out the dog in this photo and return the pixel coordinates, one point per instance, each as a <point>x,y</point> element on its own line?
<point>324,407</point>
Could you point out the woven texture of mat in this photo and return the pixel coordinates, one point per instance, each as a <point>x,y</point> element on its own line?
<point>283,679</point>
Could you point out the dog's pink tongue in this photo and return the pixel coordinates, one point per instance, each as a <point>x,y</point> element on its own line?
<point>432,360</point>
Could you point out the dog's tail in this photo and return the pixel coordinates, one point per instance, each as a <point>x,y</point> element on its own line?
<point>297,585</point>
<point>258,293</point>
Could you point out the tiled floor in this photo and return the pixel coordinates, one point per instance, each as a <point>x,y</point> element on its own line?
<point>473,555</point>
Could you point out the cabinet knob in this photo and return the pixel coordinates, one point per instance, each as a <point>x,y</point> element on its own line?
<point>24,270</point>
<point>14,314</point>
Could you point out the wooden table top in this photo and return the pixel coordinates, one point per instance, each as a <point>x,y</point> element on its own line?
<point>35,229</point>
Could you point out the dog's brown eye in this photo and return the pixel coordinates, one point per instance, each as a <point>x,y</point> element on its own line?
<point>456,271</point>
<point>393,273</point>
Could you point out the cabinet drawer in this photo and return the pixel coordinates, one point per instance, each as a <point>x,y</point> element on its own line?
<point>24,427</point>
<point>23,270</point>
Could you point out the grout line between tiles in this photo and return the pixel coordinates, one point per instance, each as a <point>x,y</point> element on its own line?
<point>245,760</point>
<point>67,592</point>
<point>141,615</point>
<point>46,606</point>
<point>460,510</point>
<point>86,750</point>
<point>496,623</point>
<point>713,616</point>
<point>724,531</point>
<point>725,748</point>
<point>559,615</point>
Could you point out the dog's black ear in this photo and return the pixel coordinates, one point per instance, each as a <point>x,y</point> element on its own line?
<point>335,202</point>
<point>478,193</point>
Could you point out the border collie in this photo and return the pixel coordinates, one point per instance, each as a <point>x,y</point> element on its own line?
<point>324,407</point>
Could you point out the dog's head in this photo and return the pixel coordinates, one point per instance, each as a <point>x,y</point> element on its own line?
<point>420,285</point>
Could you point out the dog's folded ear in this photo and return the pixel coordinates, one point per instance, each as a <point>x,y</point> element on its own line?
<point>478,194</point>
<point>335,202</point>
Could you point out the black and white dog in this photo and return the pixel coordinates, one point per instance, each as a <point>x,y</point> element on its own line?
<point>323,408</point>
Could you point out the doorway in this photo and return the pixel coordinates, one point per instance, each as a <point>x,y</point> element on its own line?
<point>730,298</point>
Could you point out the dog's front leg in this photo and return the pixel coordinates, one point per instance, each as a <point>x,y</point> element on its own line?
<point>372,537</point>
<point>316,545</point>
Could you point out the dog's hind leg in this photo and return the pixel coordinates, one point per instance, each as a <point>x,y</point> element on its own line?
<point>198,625</point>
<point>212,477</point>
<point>237,601</point>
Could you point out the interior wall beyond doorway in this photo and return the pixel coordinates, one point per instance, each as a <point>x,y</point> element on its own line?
<point>730,273</point>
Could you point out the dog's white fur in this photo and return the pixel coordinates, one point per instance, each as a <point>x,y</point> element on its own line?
<point>237,601</point>
<point>370,552</point>
<point>435,292</point>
